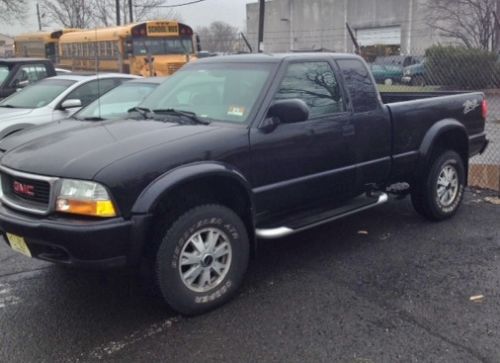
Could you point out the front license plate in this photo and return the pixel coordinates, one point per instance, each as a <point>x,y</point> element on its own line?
<point>18,244</point>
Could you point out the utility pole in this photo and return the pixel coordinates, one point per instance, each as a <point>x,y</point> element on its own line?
<point>131,11</point>
<point>118,20</point>
<point>38,17</point>
<point>262,12</point>
<point>497,27</point>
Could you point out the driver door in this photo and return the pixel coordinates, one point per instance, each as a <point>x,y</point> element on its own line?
<point>308,162</point>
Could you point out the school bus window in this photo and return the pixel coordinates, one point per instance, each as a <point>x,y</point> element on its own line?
<point>143,46</point>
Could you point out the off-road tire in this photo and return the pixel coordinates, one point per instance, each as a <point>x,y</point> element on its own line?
<point>173,244</point>
<point>424,195</point>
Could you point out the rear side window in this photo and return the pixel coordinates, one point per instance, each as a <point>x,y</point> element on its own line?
<point>359,84</point>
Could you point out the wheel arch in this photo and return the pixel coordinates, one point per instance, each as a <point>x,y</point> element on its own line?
<point>185,187</point>
<point>447,134</point>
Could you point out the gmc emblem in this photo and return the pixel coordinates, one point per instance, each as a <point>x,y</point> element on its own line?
<point>24,189</point>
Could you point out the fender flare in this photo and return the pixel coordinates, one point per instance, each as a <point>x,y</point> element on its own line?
<point>152,194</point>
<point>429,140</point>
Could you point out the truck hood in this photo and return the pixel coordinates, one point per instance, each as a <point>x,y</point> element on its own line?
<point>22,137</point>
<point>81,151</point>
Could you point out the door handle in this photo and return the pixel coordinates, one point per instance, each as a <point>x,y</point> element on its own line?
<point>348,130</point>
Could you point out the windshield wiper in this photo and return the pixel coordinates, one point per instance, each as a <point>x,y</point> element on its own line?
<point>143,111</point>
<point>7,106</point>
<point>190,115</point>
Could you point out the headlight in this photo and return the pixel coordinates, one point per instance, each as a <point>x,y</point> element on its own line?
<point>84,198</point>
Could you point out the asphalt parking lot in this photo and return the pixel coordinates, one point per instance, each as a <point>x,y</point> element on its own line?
<point>382,286</point>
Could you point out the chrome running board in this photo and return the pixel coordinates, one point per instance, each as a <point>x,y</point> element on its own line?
<point>284,231</point>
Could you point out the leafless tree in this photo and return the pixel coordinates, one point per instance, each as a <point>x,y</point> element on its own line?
<point>12,9</point>
<point>470,22</point>
<point>69,13</point>
<point>90,13</point>
<point>105,11</point>
<point>219,37</point>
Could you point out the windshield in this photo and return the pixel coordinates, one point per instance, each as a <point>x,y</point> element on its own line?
<point>158,46</point>
<point>38,95</point>
<point>115,104</point>
<point>4,72</point>
<point>224,91</point>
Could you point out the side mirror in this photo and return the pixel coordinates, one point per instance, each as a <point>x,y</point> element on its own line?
<point>22,84</point>
<point>71,103</point>
<point>289,111</point>
<point>19,85</point>
<point>129,48</point>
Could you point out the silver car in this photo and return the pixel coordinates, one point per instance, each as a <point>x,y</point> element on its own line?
<point>53,99</point>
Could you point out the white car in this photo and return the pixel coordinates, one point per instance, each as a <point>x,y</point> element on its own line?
<point>53,99</point>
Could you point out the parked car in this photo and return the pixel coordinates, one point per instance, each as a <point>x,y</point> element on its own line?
<point>111,106</point>
<point>17,73</point>
<point>228,150</point>
<point>386,74</point>
<point>54,99</point>
<point>415,75</point>
<point>116,103</point>
<point>398,60</point>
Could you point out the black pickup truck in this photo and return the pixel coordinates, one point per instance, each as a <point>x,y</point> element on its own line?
<point>227,151</point>
<point>17,73</point>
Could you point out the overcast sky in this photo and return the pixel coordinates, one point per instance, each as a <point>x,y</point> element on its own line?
<point>230,11</point>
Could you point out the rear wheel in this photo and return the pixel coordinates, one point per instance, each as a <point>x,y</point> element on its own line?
<point>439,193</point>
<point>201,259</point>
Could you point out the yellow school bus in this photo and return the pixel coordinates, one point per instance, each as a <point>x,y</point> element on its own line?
<point>152,48</point>
<point>40,44</point>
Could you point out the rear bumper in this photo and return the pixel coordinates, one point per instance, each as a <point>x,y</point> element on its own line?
<point>478,144</point>
<point>108,243</point>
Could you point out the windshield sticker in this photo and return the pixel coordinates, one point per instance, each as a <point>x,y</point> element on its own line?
<point>470,105</point>
<point>236,111</point>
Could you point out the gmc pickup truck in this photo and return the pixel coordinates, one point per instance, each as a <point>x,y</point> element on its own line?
<point>227,151</point>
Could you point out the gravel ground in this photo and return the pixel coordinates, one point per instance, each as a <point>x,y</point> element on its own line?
<point>381,286</point>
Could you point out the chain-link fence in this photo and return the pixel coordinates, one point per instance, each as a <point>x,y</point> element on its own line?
<point>451,69</point>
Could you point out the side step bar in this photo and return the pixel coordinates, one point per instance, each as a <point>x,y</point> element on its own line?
<point>284,231</point>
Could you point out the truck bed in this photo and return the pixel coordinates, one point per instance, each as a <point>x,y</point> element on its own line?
<point>414,115</point>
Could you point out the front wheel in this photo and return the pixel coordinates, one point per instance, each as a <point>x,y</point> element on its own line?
<point>439,193</point>
<point>201,259</point>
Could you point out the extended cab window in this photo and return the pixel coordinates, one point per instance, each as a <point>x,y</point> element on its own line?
<point>359,84</point>
<point>314,83</point>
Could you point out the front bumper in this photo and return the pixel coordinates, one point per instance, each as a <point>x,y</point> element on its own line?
<point>115,242</point>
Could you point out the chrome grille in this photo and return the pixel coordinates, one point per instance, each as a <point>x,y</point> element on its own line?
<point>26,192</point>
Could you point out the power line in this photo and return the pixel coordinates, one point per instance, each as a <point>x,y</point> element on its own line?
<point>170,6</point>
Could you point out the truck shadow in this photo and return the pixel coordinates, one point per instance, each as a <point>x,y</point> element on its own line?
<point>121,293</point>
